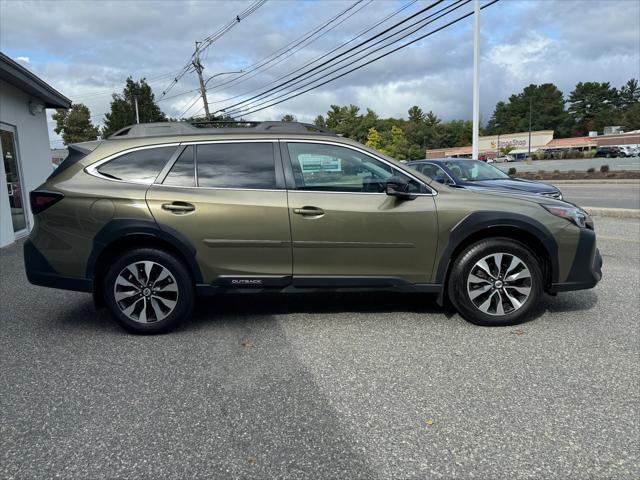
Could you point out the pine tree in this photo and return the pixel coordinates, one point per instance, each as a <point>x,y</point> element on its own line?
<point>75,124</point>
<point>123,110</point>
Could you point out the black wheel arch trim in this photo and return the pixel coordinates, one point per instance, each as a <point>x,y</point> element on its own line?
<point>479,221</point>
<point>120,228</point>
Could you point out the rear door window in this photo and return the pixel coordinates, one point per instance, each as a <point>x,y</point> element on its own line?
<point>141,166</point>
<point>236,165</point>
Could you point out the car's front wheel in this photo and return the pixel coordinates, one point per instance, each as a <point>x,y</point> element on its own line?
<point>149,291</point>
<point>496,282</point>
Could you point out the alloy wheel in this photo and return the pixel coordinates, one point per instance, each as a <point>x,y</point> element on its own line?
<point>499,284</point>
<point>145,291</point>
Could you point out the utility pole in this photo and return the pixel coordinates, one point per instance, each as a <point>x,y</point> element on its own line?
<point>137,113</point>
<point>476,83</point>
<point>203,91</point>
<point>529,127</point>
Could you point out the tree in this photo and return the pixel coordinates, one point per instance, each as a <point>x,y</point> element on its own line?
<point>593,106</point>
<point>415,129</point>
<point>629,94</point>
<point>373,139</point>
<point>344,121</point>
<point>416,115</point>
<point>455,133</point>
<point>546,104</point>
<point>629,103</point>
<point>75,124</point>
<point>431,119</point>
<point>396,145</point>
<point>320,122</point>
<point>288,118</point>
<point>123,110</point>
<point>631,118</point>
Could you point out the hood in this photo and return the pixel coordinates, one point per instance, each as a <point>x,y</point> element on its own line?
<point>522,195</point>
<point>513,184</point>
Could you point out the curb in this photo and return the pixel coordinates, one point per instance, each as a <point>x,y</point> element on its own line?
<point>623,181</point>
<point>613,212</point>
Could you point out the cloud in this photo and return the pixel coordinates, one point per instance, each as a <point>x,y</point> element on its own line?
<point>23,59</point>
<point>88,49</point>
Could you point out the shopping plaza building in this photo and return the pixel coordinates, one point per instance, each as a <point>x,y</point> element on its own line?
<point>523,143</point>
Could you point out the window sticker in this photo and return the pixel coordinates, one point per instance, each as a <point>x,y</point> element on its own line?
<point>311,163</point>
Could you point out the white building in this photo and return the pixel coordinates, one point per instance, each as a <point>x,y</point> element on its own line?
<point>26,155</point>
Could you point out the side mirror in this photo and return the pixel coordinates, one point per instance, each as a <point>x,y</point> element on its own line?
<point>399,188</point>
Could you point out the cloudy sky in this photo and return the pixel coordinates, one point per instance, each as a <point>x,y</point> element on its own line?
<point>87,49</point>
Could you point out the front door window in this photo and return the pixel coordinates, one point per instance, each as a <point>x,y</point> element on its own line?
<point>14,185</point>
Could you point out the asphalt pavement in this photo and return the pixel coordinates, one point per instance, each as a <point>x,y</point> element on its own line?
<point>608,195</point>
<point>578,164</point>
<point>325,386</point>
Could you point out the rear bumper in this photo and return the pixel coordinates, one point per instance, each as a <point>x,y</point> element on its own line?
<point>40,272</point>
<point>586,270</point>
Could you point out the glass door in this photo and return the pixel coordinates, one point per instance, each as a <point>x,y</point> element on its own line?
<point>13,180</point>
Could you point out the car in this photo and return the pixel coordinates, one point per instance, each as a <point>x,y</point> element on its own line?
<point>157,214</point>
<point>628,150</point>
<point>609,152</point>
<point>475,175</point>
<point>501,159</point>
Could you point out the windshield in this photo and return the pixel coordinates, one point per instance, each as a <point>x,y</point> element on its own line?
<point>474,170</point>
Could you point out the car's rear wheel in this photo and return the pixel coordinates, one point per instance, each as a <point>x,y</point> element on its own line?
<point>496,282</point>
<point>149,291</point>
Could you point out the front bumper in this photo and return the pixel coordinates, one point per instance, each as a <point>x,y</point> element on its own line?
<point>586,270</point>
<point>40,272</point>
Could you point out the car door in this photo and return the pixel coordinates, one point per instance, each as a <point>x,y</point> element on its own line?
<point>229,199</point>
<point>346,231</point>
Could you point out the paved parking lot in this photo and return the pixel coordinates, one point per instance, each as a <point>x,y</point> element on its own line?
<point>327,386</point>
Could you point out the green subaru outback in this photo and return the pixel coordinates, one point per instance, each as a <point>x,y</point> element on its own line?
<point>160,213</point>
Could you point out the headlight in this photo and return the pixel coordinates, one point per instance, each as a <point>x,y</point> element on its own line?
<point>573,214</point>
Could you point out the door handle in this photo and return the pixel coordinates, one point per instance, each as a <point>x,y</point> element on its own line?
<point>178,207</point>
<point>309,211</point>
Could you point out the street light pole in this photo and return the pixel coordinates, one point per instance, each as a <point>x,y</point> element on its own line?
<point>137,113</point>
<point>476,83</point>
<point>529,127</point>
<point>223,73</point>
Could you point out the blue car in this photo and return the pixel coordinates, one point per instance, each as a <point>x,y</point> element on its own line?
<point>474,174</point>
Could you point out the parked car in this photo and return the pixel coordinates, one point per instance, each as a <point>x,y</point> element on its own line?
<point>609,152</point>
<point>159,213</point>
<point>474,175</point>
<point>501,159</point>
<point>628,150</point>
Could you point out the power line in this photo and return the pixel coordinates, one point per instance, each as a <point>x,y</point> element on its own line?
<point>280,52</point>
<point>372,60</point>
<point>195,99</point>
<point>358,35</point>
<point>154,79</point>
<point>206,43</point>
<point>292,45</point>
<point>333,61</point>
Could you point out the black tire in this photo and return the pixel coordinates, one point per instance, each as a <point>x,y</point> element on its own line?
<point>180,281</point>
<point>460,296</point>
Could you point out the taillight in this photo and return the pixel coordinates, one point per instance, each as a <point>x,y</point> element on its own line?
<point>41,200</point>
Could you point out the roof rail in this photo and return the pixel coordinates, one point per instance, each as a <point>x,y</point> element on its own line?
<point>217,127</point>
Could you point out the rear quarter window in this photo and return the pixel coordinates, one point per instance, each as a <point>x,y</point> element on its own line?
<point>141,166</point>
